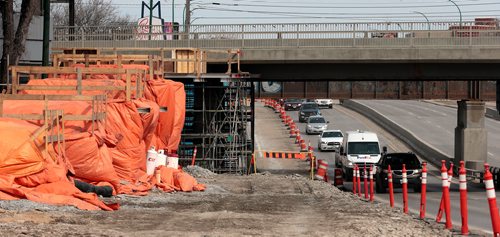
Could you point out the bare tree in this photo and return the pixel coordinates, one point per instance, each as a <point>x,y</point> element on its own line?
<point>89,13</point>
<point>13,42</point>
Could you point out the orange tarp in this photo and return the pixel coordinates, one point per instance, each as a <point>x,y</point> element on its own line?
<point>28,171</point>
<point>172,95</point>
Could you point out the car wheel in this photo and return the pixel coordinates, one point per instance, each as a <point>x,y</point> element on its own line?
<point>379,188</point>
<point>319,148</point>
<point>330,106</point>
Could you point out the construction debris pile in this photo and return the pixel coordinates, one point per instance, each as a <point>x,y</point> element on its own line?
<point>90,122</point>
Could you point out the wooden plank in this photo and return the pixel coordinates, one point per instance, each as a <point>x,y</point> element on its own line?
<point>128,91</point>
<point>52,97</point>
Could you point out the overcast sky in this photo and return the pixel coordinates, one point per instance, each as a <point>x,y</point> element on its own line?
<point>309,11</point>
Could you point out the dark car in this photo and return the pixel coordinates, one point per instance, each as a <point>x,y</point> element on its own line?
<point>307,110</point>
<point>396,161</point>
<point>292,104</point>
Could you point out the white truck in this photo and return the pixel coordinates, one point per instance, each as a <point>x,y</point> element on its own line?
<point>359,147</point>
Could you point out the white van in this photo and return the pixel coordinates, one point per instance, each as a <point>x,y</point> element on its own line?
<point>359,147</point>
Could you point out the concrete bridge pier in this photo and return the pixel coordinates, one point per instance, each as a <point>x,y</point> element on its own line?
<point>471,135</point>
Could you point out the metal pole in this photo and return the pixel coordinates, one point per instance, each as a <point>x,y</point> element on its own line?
<point>459,11</point>
<point>71,21</point>
<point>428,23</point>
<point>188,17</point>
<point>46,32</point>
<point>173,12</point>
<point>150,18</point>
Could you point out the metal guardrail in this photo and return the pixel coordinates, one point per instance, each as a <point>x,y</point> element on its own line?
<point>377,34</point>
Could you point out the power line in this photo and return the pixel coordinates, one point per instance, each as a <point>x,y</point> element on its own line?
<point>355,7</point>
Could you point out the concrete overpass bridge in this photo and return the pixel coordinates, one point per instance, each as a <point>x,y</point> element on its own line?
<point>337,60</point>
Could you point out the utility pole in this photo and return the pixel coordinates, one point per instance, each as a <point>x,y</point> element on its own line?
<point>46,32</point>
<point>187,23</point>
<point>71,19</point>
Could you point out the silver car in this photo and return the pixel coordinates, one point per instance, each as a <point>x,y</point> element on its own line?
<point>316,124</point>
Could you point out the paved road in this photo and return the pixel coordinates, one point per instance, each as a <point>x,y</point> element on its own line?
<point>345,120</point>
<point>434,124</point>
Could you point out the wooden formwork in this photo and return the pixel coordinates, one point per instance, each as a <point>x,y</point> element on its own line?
<point>154,62</point>
<point>97,106</point>
<point>192,61</point>
<point>36,72</point>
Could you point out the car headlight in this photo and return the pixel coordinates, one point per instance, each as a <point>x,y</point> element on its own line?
<point>325,126</point>
<point>309,126</point>
<point>416,171</point>
<point>299,104</point>
<point>302,113</point>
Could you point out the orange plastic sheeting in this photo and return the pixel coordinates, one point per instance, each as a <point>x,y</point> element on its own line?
<point>31,173</point>
<point>20,155</point>
<point>149,120</point>
<point>172,95</point>
<point>129,156</point>
<point>69,107</point>
<point>114,94</point>
<point>91,158</point>
<point>176,180</point>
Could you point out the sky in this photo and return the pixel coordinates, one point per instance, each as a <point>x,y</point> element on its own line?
<point>316,11</point>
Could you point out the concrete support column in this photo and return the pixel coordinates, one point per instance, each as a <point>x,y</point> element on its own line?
<point>470,135</point>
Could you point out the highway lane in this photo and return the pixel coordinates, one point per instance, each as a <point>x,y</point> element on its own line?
<point>434,124</point>
<point>345,120</point>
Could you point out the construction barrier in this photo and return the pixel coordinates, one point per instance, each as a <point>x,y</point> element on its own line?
<point>354,178</point>
<point>391,187</point>
<point>441,205</point>
<point>423,191</point>
<point>446,196</point>
<point>338,181</point>
<point>365,176</point>
<point>358,180</point>
<point>321,172</point>
<point>462,179</point>
<point>405,190</point>
<point>303,146</point>
<point>371,184</point>
<point>283,155</point>
<point>492,200</point>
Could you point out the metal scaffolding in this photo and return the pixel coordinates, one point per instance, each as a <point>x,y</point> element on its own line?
<point>223,140</point>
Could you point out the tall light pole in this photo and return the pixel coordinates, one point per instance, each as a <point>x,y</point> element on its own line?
<point>428,23</point>
<point>459,11</point>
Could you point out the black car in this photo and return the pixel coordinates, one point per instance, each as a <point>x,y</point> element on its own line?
<point>396,161</point>
<point>292,104</point>
<point>308,109</point>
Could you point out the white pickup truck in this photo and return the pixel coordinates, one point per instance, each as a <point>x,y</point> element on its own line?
<point>359,147</point>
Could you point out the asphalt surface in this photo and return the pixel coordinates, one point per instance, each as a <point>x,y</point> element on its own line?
<point>434,124</point>
<point>346,120</point>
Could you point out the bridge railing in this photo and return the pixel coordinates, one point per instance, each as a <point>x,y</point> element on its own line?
<point>381,34</point>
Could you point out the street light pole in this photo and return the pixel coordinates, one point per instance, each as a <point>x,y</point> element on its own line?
<point>188,16</point>
<point>428,23</point>
<point>459,11</point>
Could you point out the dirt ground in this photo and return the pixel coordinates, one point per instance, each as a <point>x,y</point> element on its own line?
<point>285,203</point>
<point>255,205</point>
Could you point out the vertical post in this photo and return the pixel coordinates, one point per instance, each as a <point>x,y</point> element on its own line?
<point>187,23</point>
<point>492,199</point>
<point>354,177</point>
<point>405,190</point>
<point>371,184</point>
<point>462,179</point>
<point>252,107</point>
<point>390,184</point>
<point>423,191</point>
<point>71,19</point>
<point>128,86</point>
<point>365,177</point>
<point>46,32</point>
<point>79,81</point>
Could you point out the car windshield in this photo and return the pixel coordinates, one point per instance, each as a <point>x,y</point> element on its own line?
<point>396,161</point>
<point>332,134</point>
<point>363,148</point>
<point>317,120</point>
<point>309,106</point>
<point>293,101</point>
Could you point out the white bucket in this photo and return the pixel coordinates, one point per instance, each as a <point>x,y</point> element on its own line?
<point>151,161</point>
<point>173,162</point>
<point>161,159</point>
